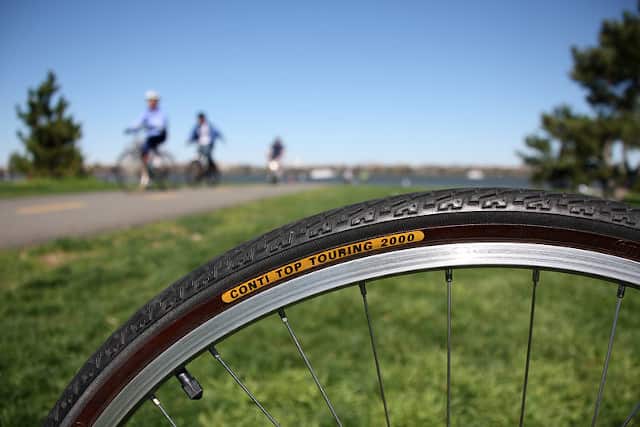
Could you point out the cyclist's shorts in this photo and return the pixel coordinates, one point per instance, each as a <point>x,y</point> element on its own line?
<point>152,143</point>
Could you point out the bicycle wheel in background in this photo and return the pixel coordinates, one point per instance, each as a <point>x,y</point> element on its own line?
<point>162,169</point>
<point>194,172</point>
<point>129,170</point>
<point>448,230</point>
<point>213,174</point>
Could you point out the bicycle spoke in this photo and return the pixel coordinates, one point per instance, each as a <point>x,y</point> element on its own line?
<point>156,402</point>
<point>283,316</point>
<point>632,415</point>
<point>217,356</point>
<point>363,291</point>
<point>619,296</point>
<point>449,278</point>
<point>535,279</point>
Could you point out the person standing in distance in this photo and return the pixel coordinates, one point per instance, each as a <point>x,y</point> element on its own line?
<point>155,125</point>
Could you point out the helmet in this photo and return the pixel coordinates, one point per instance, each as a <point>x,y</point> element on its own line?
<point>151,95</point>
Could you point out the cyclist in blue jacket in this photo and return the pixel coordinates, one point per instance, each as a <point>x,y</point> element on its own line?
<point>205,135</point>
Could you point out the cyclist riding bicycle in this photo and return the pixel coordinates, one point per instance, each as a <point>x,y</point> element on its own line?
<point>274,161</point>
<point>155,125</point>
<point>205,135</point>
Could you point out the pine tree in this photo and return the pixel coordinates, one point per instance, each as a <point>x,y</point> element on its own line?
<point>50,140</point>
<point>577,149</point>
<point>610,72</point>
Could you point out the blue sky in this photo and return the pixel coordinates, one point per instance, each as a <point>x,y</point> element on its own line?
<point>446,82</point>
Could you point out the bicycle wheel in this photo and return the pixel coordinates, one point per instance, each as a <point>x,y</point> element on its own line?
<point>447,229</point>
<point>213,174</point>
<point>194,172</point>
<point>129,170</point>
<point>162,168</point>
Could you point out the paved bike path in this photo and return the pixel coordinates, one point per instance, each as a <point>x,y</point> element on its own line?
<point>38,219</point>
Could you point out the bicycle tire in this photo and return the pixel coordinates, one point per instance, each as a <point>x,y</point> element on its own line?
<point>213,175</point>
<point>194,172</point>
<point>575,224</point>
<point>128,169</point>
<point>161,175</point>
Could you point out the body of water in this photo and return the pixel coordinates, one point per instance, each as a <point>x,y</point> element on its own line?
<point>398,180</point>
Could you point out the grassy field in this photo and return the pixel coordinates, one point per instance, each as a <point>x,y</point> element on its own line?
<point>633,198</point>
<point>34,187</point>
<point>59,301</point>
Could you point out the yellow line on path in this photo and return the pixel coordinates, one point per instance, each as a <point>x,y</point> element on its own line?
<point>50,207</point>
<point>162,196</point>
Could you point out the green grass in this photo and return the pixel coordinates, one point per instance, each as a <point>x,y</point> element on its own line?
<point>59,301</point>
<point>41,186</point>
<point>632,198</point>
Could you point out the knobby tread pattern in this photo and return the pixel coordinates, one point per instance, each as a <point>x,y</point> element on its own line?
<point>335,221</point>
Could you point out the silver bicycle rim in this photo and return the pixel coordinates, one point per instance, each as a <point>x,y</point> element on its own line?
<point>387,264</point>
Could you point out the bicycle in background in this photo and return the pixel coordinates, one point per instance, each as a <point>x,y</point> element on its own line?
<point>200,171</point>
<point>274,171</point>
<point>130,170</point>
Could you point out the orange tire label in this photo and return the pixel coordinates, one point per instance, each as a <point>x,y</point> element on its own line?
<point>320,259</point>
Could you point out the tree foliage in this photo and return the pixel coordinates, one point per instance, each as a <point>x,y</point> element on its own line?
<point>610,72</point>
<point>51,134</point>
<point>575,149</point>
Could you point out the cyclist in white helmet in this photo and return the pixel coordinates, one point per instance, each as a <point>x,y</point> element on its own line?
<point>155,125</point>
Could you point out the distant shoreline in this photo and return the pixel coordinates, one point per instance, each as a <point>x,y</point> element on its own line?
<point>372,169</point>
